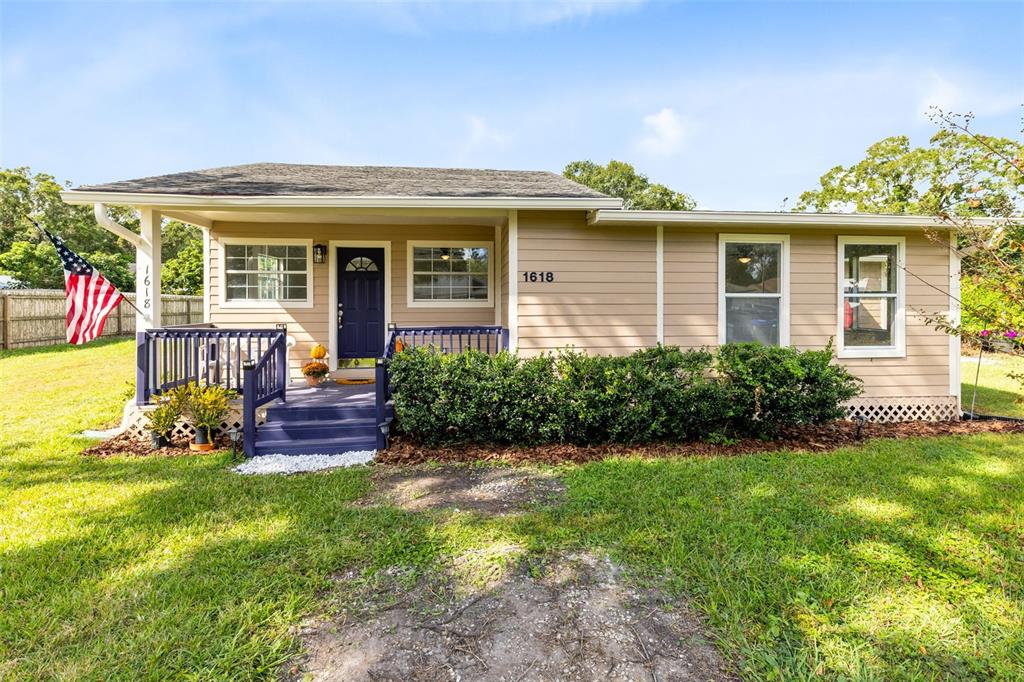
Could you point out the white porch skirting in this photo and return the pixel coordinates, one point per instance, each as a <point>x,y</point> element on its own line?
<point>134,422</point>
<point>915,408</point>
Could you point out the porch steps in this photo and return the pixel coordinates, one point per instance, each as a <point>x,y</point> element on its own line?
<point>328,420</point>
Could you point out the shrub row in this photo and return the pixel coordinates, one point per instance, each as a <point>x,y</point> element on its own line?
<point>657,394</point>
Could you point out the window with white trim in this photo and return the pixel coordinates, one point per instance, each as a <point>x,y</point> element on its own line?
<point>266,272</point>
<point>871,308</point>
<point>753,289</point>
<point>449,274</point>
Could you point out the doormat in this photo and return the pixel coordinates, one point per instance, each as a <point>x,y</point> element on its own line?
<point>354,382</point>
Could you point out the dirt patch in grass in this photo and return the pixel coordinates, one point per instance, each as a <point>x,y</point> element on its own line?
<point>485,490</point>
<point>575,617</point>
<point>805,438</point>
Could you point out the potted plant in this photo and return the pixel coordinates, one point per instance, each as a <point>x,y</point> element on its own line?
<point>208,406</point>
<point>315,372</point>
<point>161,422</point>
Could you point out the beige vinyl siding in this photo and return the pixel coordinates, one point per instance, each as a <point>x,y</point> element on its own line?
<point>310,326</point>
<point>603,296</point>
<point>691,303</point>
<point>691,288</point>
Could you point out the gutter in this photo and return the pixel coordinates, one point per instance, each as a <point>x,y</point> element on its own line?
<point>100,210</point>
<point>768,219</point>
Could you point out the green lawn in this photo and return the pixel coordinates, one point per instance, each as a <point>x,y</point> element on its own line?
<point>997,393</point>
<point>896,560</point>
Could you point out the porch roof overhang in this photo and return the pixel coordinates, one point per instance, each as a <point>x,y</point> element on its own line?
<point>205,210</point>
<point>788,220</point>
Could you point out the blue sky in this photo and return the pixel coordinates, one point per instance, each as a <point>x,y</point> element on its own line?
<point>741,105</point>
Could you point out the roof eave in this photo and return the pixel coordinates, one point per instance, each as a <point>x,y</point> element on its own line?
<point>302,201</point>
<point>769,219</point>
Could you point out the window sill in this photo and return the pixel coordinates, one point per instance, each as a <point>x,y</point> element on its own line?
<point>272,305</point>
<point>450,304</point>
<point>869,353</point>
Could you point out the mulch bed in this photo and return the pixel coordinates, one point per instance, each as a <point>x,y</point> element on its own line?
<point>806,438</point>
<point>126,444</point>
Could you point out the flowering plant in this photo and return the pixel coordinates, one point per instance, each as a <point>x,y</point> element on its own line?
<point>315,369</point>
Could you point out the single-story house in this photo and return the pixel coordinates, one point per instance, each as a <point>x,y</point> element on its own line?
<point>353,257</point>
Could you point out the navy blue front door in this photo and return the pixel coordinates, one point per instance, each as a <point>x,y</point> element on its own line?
<point>360,302</point>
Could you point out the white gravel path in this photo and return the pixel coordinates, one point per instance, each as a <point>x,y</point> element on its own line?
<point>297,464</point>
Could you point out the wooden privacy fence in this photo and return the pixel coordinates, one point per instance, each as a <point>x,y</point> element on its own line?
<point>35,317</point>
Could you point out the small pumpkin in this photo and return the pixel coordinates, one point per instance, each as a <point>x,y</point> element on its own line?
<point>318,352</point>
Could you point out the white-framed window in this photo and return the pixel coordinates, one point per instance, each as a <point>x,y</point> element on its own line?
<point>753,289</point>
<point>450,274</point>
<point>266,272</point>
<point>871,299</point>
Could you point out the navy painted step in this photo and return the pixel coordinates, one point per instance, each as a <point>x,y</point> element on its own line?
<point>303,413</point>
<point>327,422</point>
<point>316,428</point>
<point>316,446</point>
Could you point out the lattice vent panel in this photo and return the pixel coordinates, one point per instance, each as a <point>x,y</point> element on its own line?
<point>886,410</point>
<point>134,421</point>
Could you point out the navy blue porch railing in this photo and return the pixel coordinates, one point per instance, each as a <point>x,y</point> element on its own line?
<point>264,380</point>
<point>208,355</point>
<point>253,362</point>
<point>485,338</point>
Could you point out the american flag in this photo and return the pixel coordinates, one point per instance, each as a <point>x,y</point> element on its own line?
<point>90,297</point>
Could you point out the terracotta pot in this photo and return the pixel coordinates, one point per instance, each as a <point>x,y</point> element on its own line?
<point>314,381</point>
<point>200,447</point>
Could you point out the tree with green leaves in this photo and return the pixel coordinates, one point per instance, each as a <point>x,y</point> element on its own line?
<point>620,179</point>
<point>32,261</point>
<point>25,196</point>
<point>183,274</point>
<point>957,173</point>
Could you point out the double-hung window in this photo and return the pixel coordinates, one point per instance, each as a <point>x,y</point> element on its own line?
<point>753,288</point>
<point>450,274</point>
<point>266,272</point>
<point>872,318</point>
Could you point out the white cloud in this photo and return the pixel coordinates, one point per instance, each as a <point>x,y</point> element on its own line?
<point>665,133</point>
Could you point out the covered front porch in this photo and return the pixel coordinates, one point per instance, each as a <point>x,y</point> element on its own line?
<point>329,418</point>
<point>361,282</point>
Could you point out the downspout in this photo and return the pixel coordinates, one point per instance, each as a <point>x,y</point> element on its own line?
<point>104,220</point>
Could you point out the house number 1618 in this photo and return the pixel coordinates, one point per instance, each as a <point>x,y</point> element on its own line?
<point>535,276</point>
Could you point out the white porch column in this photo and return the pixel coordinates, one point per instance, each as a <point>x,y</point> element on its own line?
<point>513,280</point>
<point>147,271</point>
<point>955,318</point>
<point>659,267</point>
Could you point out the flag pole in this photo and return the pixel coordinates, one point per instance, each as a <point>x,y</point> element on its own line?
<point>124,297</point>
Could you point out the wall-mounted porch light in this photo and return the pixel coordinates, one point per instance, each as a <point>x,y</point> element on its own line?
<point>319,253</point>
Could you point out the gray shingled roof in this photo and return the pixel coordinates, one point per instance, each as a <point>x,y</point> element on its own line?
<point>287,179</point>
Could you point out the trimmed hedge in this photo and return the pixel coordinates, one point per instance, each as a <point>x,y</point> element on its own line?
<point>657,394</point>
